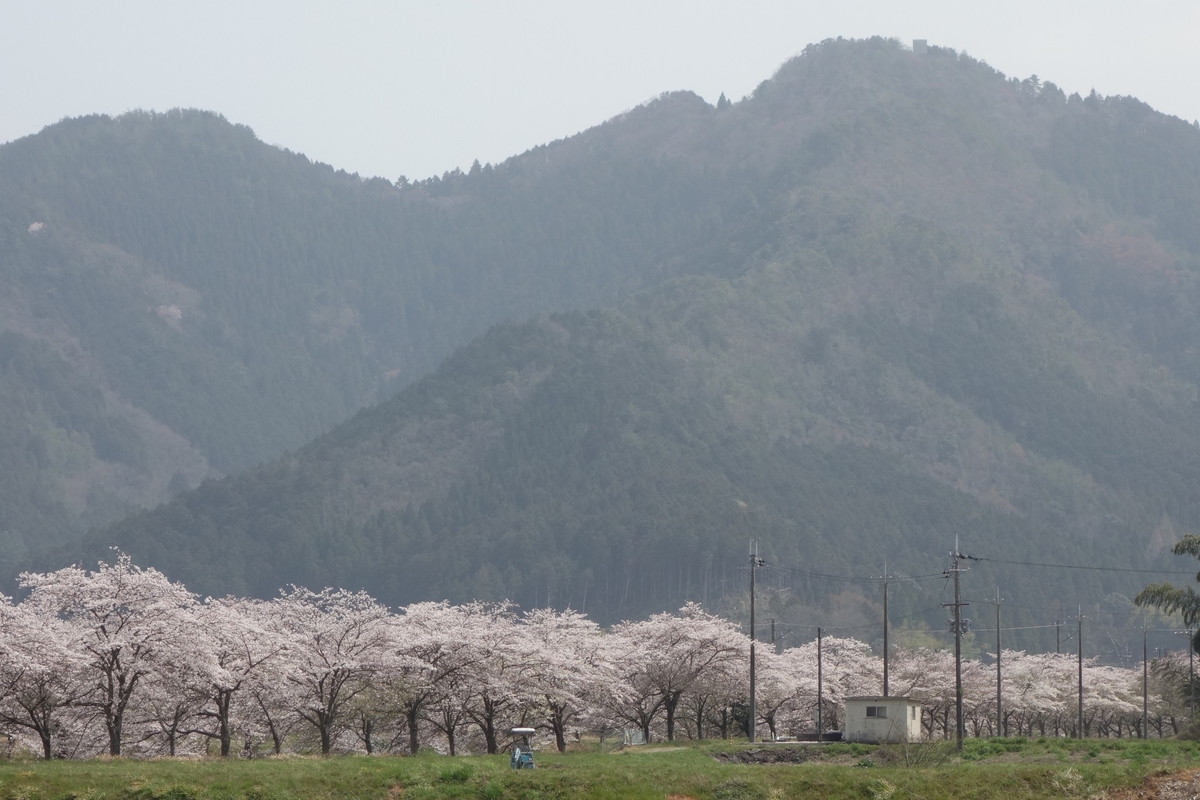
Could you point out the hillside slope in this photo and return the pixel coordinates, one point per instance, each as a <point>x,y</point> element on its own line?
<point>915,300</point>
<point>182,301</point>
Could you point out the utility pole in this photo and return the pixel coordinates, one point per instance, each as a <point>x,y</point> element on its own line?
<point>959,626</point>
<point>755,563</point>
<point>820,687</point>
<point>999,690</point>
<point>885,630</point>
<point>1080,643</point>
<point>1145,685</point>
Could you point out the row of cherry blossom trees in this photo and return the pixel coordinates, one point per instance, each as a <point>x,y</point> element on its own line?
<point>120,660</point>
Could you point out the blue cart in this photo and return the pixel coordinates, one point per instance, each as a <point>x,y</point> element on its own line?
<point>522,753</point>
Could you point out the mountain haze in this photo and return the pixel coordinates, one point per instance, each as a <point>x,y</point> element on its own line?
<point>182,301</point>
<point>886,301</point>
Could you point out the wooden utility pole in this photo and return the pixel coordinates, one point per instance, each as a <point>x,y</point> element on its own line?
<point>1080,660</point>
<point>755,563</point>
<point>820,687</point>
<point>885,631</point>
<point>999,685</point>
<point>1145,685</point>
<point>958,625</point>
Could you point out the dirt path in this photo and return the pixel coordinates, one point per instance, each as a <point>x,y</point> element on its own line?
<point>1183,785</point>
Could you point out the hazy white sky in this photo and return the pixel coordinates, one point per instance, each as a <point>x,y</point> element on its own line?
<point>387,88</point>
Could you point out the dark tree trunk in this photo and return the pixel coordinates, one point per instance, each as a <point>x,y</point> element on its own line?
<point>559,727</point>
<point>224,734</point>
<point>671,701</point>
<point>412,715</point>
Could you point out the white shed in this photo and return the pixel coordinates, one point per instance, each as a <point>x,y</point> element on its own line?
<point>882,719</point>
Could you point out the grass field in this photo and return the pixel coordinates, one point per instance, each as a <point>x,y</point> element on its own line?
<point>1004,769</point>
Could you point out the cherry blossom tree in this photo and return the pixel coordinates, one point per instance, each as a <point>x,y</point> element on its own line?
<point>236,640</point>
<point>125,649</point>
<point>715,694</point>
<point>270,715</point>
<point>783,680</point>
<point>1173,678</point>
<point>334,642</point>
<point>430,656</point>
<point>668,655</point>
<point>500,655</point>
<point>979,697</point>
<point>1036,687</point>
<point>446,713</point>
<point>167,708</point>
<point>571,668</point>
<point>1060,672</point>
<point>1113,700</point>
<point>39,673</point>
<point>456,665</point>
<point>848,669</point>
<point>926,675</point>
<point>127,622</point>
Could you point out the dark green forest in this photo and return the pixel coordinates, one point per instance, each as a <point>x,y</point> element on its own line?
<point>248,300</point>
<point>885,301</point>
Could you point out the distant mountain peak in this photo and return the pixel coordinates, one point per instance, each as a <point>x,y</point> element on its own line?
<point>886,299</point>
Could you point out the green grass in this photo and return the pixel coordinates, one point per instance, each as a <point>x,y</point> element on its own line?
<point>1003,769</point>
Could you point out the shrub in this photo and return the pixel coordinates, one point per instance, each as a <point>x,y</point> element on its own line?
<point>459,773</point>
<point>927,753</point>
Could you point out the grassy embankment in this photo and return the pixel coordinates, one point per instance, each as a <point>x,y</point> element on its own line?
<point>1005,769</point>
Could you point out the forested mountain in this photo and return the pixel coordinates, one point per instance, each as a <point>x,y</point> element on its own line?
<point>182,301</point>
<point>887,300</point>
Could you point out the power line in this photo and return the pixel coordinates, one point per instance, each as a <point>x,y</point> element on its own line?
<point>856,578</point>
<point>978,629</point>
<point>826,628</point>
<point>916,581</point>
<point>1082,566</point>
<point>932,575</point>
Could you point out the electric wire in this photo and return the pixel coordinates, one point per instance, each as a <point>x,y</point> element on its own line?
<point>1081,566</point>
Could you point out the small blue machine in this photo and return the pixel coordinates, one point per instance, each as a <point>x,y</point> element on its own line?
<point>522,753</point>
